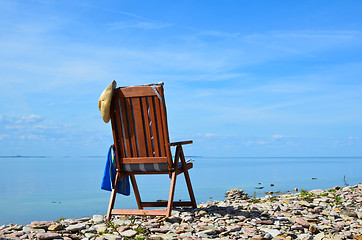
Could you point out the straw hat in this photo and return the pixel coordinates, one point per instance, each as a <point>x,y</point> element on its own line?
<point>104,102</point>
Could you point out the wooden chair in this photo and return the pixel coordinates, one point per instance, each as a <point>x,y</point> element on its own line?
<point>142,146</point>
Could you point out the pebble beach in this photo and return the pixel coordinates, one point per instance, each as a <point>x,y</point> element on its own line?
<point>334,213</point>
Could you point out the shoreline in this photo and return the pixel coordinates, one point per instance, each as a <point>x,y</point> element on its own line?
<point>334,213</point>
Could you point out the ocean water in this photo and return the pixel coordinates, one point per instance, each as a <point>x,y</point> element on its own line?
<point>47,188</point>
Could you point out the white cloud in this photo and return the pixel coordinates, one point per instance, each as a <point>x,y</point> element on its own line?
<point>354,138</point>
<point>137,24</point>
<point>276,136</point>
<point>210,135</point>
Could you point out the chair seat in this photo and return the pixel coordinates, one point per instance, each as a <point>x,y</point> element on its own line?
<point>149,167</point>
<point>145,167</point>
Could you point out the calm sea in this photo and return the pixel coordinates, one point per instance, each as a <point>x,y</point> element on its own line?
<point>49,188</point>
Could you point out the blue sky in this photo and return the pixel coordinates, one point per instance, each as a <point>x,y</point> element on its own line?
<point>242,78</point>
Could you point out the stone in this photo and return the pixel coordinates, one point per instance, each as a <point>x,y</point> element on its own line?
<point>17,234</point>
<point>47,236</point>
<point>40,224</point>
<point>264,222</point>
<point>297,227</point>
<point>306,236</point>
<point>233,228</point>
<point>302,222</point>
<point>160,230</point>
<point>174,219</point>
<point>89,235</point>
<point>188,219</point>
<point>319,236</point>
<point>97,219</point>
<point>349,213</point>
<point>155,237</point>
<point>273,232</point>
<point>206,232</point>
<point>338,237</point>
<point>100,228</point>
<point>8,238</point>
<point>55,227</point>
<point>111,237</point>
<point>97,238</point>
<point>129,233</point>
<point>85,219</point>
<point>267,236</point>
<point>76,227</point>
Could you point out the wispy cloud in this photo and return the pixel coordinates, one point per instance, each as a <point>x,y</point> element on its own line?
<point>137,24</point>
<point>219,34</point>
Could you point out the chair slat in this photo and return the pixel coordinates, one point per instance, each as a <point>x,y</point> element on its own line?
<point>146,127</point>
<point>125,129</point>
<point>138,91</point>
<point>131,127</point>
<point>165,128</point>
<point>154,127</point>
<point>139,127</point>
<point>144,160</point>
<point>120,137</point>
<point>160,129</point>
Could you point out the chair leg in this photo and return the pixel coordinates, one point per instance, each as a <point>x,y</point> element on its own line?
<point>136,192</point>
<point>187,179</point>
<point>189,187</point>
<point>113,197</point>
<point>171,194</point>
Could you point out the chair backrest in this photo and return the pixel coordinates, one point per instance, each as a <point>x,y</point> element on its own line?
<point>139,125</point>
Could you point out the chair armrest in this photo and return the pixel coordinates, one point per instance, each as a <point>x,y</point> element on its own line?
<point>181,143</point>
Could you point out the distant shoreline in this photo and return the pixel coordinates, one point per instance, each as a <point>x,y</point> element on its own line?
<point>20,156</point>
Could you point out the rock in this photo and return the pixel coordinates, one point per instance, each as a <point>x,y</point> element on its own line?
<point>319,236</point>
<point>89,235</point>
<point>264,222</point>
<point>8,238</point>
<point>187,218</point>
<point>129,233</point>
<point>76,227</point>
<point>85,219</point>
<point>55,227</point>
<point>305,237</point>
<point>206,232</point>
<point>267,236</point>
<point>97,238</point>
<point>112,237</point>
<point>338,237</point>
<point>174,219</point>
<point>122,228</point>
<point>40,224</point>
<point>302,222</point>
<point>17,234</point>
<point>233,228</point>
<point>349,213</point>
<point>155,237</point>
<point>297,227</point>
<point>97,219</point>
<point>47,236</point>
<point>160,230</point>
<point>273,232</point>
<point>100,227</point>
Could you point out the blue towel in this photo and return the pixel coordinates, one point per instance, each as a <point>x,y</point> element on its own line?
<point>110,174</point>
